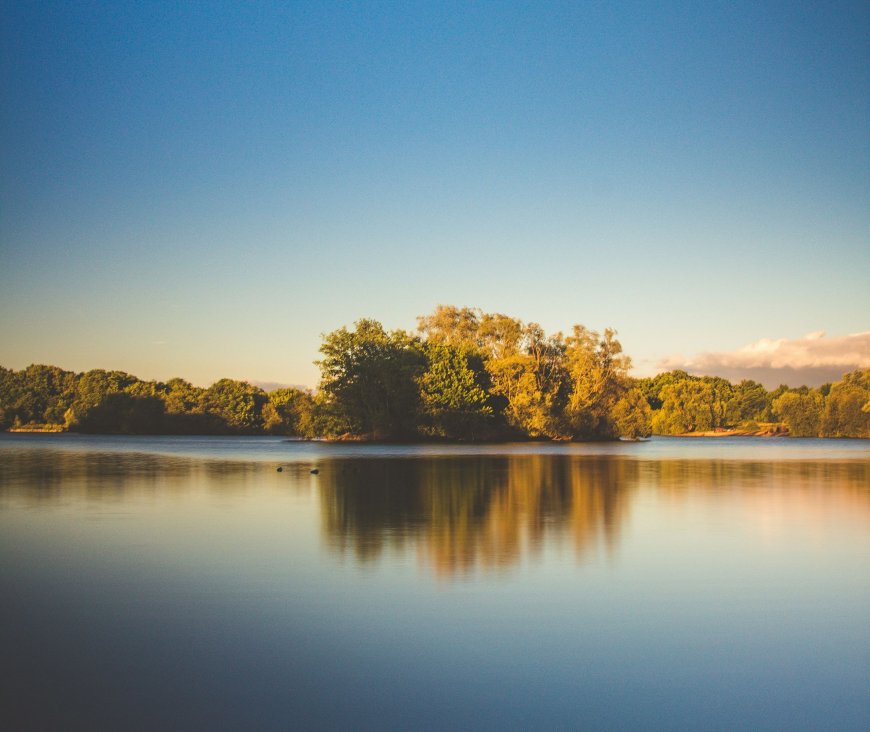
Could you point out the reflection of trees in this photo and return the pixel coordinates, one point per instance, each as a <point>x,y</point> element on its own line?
<point>681,476</point>
<point>463,513</point>
<point>56,475</point>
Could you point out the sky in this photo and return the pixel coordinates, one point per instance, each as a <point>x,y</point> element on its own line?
<point>203,189</point>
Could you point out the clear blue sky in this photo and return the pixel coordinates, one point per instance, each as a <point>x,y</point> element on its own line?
<point>200,190</point>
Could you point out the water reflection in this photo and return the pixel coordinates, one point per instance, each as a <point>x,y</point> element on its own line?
<point>463,514</point>
<point>468,514</point>
<point>45,476</point>
<point>687,592</point>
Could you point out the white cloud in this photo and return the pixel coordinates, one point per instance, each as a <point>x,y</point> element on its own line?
<point>813,359</point>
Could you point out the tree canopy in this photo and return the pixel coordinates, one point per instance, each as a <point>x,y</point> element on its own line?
<point>464,375</point>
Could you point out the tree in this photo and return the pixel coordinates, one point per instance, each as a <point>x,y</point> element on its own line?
<point>453,397</point>
<point>452,326</point>
<point>237,403</point>
<point>91,389</point>
<point>527,369</point>
<point>289,412</point>
<point>49,392</point>
<point>685,408</point>
<point>632,416</point>
<point>721,392</point>
<point>652,387</point>
<point>801,411</point>
<point>747,404</point>
<point>500,336</point>
<point>369,378</point>
<point>847,407</point>
<point>122,413</point>
<point>182,397</point>
<point>598,377</point>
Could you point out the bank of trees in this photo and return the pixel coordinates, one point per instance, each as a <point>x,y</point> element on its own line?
<point>116,402</point>
<point>463,375</point>
<point>470,375</point>
<point>683,403</point>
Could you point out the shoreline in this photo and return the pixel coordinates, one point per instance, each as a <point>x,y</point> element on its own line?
<point>367,439</point>
<point>779,431</point>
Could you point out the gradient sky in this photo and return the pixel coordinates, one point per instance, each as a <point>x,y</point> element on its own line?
<point>200,190</point>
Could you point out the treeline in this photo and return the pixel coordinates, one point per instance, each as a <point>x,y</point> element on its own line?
<point>115,402</point>
<point>684,404</point>
<point>464,375</point>
<point>472,375</point>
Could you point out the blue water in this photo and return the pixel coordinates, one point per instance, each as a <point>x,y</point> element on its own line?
<point>265,449</point>
<point>185,583</point>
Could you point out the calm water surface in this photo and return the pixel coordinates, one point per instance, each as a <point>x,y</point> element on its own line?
<point>184,583</point>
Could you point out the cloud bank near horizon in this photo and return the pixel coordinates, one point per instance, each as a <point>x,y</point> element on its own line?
<point>812,360</point>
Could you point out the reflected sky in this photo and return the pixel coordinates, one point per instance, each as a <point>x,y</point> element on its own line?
<point>574,587</point>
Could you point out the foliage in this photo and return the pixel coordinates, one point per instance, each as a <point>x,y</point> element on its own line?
<point>452,326</point>
<point>632,416</point>
<point>238,404</point>
<point>748,403</point>
<point>122,413</point>
<point>801,411</point>
<point>598,376</point>
<point>687,406</point>
<point>369,377</point>
<point>289,412</point>
<point>453,396</point>
<point>847,407</point>
<point>470,375</point>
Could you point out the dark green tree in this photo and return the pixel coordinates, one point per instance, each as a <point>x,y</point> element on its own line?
<point>747,404</point>
<point>91,388</point>
<point>237,403</point>
<point>847,407</point>
<point>369,379</point>
<point>453,393</point>
<point>632,416</point>
<point>801,410</point>
<point>289,412</point>
<point>123,413</point>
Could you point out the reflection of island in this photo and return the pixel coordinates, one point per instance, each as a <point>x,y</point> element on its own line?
<point>45,475</point>
<point>463,513</point>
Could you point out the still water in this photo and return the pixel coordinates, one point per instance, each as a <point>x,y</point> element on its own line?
<point>185,583</point>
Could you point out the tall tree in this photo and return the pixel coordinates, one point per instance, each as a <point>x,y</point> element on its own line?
<point>369,377</point>
<point>289,412</point>
<point>747,403</point>
<point>598,376</point>
<point>120,412</point>
<point>686,407</point>
<point>453,393</point>
<point>91,388</point>
<point>847,407</point>
<point>632,416</point>
<point>452,326</point>
<point>801,410</point>
<point>237,403</point>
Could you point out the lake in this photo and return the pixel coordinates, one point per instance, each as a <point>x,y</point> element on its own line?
<point>680,583</point>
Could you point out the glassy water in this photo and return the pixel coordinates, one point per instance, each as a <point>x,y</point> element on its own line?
<point>185,583</point>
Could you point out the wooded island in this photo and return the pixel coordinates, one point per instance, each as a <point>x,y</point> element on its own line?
<point>465,375</point>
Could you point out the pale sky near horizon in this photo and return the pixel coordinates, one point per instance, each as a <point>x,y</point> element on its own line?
<point>202,190</point>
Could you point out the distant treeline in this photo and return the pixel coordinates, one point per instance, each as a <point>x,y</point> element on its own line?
<point>683,404</point>
<point>465,375</point>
